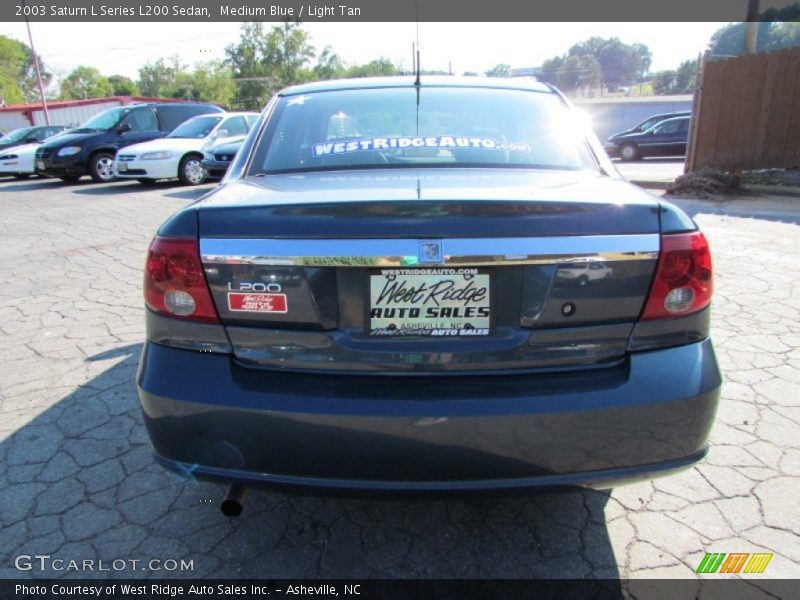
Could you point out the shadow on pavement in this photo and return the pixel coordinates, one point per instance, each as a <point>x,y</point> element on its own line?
<point>78,481</point>
<point>27,185</point>
<point>116,187</point>
<point>192,193</point>
<point>86,187</point>
<point>132,187</point>
<point>652,159</point>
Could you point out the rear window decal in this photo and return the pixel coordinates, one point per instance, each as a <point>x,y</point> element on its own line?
<point>391,143</point>
<point>298,100</point>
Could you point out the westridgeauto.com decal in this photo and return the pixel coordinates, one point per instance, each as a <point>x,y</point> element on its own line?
<point>391,143</point>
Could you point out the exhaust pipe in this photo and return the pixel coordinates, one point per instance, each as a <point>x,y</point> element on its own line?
<point>233,503</point>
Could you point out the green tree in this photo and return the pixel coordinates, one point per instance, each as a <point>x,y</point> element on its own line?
<point>685,77</point>
<point>623,64</point>
<point>618,63</point>
<point>550,69</point>
<point>263,62</point>
<point>211,82</point>
<point>729,39</point>
<point>250,71</point>
<point>9,90</point>
<point>158,79</point>
<point>182,86</point>
<point>591,72</point>
<point>579,72</point>
<point>676,81</point>
<point>568,75</point>
<point>591,47</point>
<point>379,67</point>
<point>85,82</point>
<point>288,53</point>
<point>784,35</point>
<point>123,86</point>
<point>500,70</point>
<point>17,72</point>
<point>645,57</point>
<point>329,65</point>
<point>664,82</point>
<point>782,15</point>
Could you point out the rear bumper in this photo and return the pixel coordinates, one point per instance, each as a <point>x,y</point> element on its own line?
<point>208,416</point>
<point>148,169</point>
<point>215,168</point>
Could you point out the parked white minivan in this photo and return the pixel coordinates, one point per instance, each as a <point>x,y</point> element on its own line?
<point>179,154</point>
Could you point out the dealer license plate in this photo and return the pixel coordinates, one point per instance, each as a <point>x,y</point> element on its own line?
<point>121,166</point>
<point>431,302</point>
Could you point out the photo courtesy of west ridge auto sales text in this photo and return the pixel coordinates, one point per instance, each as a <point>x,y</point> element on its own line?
<point>374,299</point>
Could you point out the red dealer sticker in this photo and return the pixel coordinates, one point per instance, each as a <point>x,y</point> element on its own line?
<point>263,303</point>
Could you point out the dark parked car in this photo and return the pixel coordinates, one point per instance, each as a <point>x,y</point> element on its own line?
<point>654,120</point>
<point>402,308</point>
<point>218,158</point>
<point>666,138</point>
<point>29,135</point>
<point>90,149</point>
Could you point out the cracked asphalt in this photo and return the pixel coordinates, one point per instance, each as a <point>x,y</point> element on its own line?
<point>77,481</point>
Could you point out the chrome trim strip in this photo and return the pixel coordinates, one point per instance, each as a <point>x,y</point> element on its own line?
<point>405,252</point>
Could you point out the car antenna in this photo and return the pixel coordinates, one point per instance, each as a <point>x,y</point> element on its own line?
<point>417,82</point>
<point>416,63</point>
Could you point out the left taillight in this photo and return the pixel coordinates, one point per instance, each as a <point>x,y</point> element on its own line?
<point>174,283</point>
<point>683,282</point>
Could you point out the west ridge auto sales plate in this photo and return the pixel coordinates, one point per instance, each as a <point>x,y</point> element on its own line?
<point>446,302</point>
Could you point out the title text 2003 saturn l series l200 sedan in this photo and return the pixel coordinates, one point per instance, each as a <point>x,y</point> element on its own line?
<point>424,286</point>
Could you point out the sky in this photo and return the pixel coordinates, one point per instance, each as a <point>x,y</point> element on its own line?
<point>121,48</point>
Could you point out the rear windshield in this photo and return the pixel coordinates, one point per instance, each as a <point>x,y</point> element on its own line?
<point>198,127</point>
<point>16,135</point>
<point>106,120</point>
<point>435,127</point>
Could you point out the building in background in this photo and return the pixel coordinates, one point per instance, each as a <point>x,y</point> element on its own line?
<point>65,112</point>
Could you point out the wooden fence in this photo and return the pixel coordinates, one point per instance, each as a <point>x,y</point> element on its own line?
<point>747,113</point>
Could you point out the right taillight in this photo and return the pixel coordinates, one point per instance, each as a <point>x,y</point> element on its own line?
<point>174,283</point>
<point>683,283</point>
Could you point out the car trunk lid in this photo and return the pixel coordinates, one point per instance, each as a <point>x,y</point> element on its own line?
<point>529,270</point>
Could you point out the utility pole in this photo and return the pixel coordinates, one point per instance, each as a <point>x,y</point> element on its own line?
<point>38,71</point>
<point>751,27</point>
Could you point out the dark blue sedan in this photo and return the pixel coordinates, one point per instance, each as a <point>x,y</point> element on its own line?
<point>426,286</point>
<point>667,138</point>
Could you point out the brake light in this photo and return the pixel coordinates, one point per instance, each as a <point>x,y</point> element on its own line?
<point>174,283</point>
<point>683,283</point>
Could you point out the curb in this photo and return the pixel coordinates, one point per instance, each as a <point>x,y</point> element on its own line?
<point>651,185</point>
<point>772,190</point>
<point>759,189</point>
